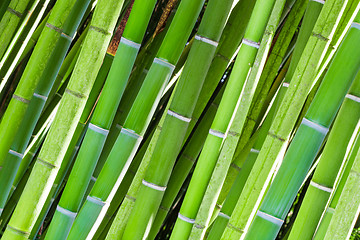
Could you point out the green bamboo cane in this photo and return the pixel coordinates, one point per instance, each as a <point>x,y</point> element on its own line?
<point>18,55</point>
<point>172,126</point>
<point>101,121</point>
<point>347,209</point>
<point>184,164</point>
<point>30,153</point>
<point>283,123</point>
<point>325,174</point>
<point>15,154</point>
<point>16,12</point>
<point>228,147</point>
<point>278,52</point>
<point>308,140</point>
<point>330,209</point>
<point>21,98</point>
<point>3,6</point>
<point>72,104</point>
<point>207,159</point>
<point>228,43</point>
<point>137,121</point>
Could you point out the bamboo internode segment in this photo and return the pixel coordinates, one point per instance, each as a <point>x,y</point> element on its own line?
<point>319,1</point>
<point>178,116</point>
<point>270,218</point>
<point>251,43</point>
<point>16,13</point>
<point>216,133</point>
<point>314,125</point>
<point>153,186</point>
<point>186,219</point>
<point>66,212</point>
<point>321,187</point>
<point>206,40</point>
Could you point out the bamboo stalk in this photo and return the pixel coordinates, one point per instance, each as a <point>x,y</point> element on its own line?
<point>21,98</point>
<point>283,123</point>
<point>348,207</point>
<point>343,175</point>
<point>308,140</point>
<point>16,12</point>
<point>37,103</point>
<point>213,188</point>
<point>137,121</point>
<point>326,172</point>
<point>51,155</point>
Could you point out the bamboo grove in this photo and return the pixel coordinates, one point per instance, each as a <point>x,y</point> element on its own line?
<point>179,119</point>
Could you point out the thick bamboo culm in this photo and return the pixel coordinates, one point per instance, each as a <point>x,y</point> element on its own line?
<point>194,119</point>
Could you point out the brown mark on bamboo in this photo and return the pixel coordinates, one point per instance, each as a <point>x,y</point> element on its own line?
<point>18,231</point>
<point>21,99</point>
<point>131,198</point>
<point>319,36</point>
<point>276,136</point>
<point>46,163</point>
<point>236,167</point>
<point>75,94</point>
<point>219,55</point>
<point>16,13</point>
<point>188,157</point>
<point>100,30</point>
<point>233,133</point>
<point>164,17</point>
<point>229,225</point>
<point>59,30</point>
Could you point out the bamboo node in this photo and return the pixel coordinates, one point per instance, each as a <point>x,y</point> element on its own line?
<point>179,116</point>
<point>234,134</point>
<point>59,30</point>
<point>319,1</point>
<point>276,136</point>
<point>130,43</point>
<point>100,30</point>
<point>315,126</point>
<point>192,159</point>
<point>233,165</point>
<point>222,57</point>
<point>93,178</point>
<point>21,99</point>
<point>186,219</point>
<point>321,187</point>
<point>164,208</point>
<point>44,98</point>
<point>66,212</point>
<point>16,13</point>
<point>70,38</point>
<point>164,62</point>
<point>206,40</point>
<point>355,25</point>
<point>95,200</point>
<point>253,150</point>
<point>286,84</point>
<point>319,36</point>
<point>75,94</point>
<point>118,126</point>
<point>18,231</point>
<point>270,218</point>
<point>330,210</point>
<point>46,164</point>
<point>1,210</point>
<point>199,226</point>
<point>131,198</point>
<point>250,43</point>
<point>229,225</point>
<point>216,133</point>
<point>130,133</point>
<point>221,214</point>
<point>153,186</point>
<point>353,97</point>
<point>17,154</point>
<point>98,129</point>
